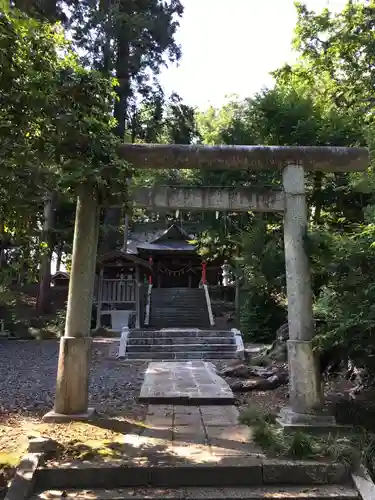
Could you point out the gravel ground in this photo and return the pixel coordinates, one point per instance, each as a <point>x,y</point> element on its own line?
<point>28,377</point>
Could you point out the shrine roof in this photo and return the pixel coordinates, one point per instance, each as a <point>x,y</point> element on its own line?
<point>120,255</point>
<point>60,274</point>
<point>172,239</point>
<point>174,233</point>
<point>168,246</point>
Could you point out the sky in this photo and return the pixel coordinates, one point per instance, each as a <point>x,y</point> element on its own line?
<point>231,46</point>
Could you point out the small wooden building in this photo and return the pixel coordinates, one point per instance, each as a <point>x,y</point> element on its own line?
<point>60,280</point>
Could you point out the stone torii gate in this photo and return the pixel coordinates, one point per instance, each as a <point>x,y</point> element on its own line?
<point>306,399</point>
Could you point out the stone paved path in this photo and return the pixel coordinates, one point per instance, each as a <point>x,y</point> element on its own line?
<point>189,382</point>
<point>195,418</point>
<point>196,434</point>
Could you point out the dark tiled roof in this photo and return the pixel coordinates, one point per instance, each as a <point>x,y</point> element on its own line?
<point>177,246</point>
<point>173,233</point>
<point>118,254</point>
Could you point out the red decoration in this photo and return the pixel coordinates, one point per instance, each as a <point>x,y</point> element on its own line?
<point>150,275</point>
<point>204,272</point>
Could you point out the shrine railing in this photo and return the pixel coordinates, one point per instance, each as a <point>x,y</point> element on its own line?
<point>117,291</point>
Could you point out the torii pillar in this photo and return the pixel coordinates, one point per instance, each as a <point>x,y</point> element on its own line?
<point>72,383</point>
<point>305,388</point>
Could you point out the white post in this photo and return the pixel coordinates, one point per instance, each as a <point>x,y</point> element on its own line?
<point>209,306</point>
<point>99,301</point>
<point>123,342</point>
<point>137,299</point>
<point>240,348</point>
<point>148,305</point>
<point>226,275</point>
<point>304,381</point>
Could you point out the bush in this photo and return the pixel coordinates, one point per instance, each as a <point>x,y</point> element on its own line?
<point>261,316</point>
<point>263,308</point>
<point>346,302</point>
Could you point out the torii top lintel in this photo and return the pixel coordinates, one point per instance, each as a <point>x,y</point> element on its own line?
<point>315,158</point>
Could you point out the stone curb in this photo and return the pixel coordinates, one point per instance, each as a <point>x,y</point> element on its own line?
<point>252,472</point>
<point>23,482</point>
<point>363,483</point>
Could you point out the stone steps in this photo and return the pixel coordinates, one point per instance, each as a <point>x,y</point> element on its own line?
<point>178,307</point>
<point>303,492</point>
<point>180,344</point>
<point>179,356</point>
<point>180,333</point>
<point>179,340</point>
<point>189,319</point>
<point>203,347</point>
<point>231,478</point>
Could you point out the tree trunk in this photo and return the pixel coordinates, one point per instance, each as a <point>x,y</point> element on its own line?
<point>317,196</point>
<point>123,89</point>
<point>107,52</point>
<point>112,219</point>
<point>2,245</point>
<point>59,256</point>
<point>44,295</point>
<point>111,235</point>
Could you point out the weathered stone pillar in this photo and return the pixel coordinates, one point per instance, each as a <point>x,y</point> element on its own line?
<point>71,400</point>
<point>304,380</point>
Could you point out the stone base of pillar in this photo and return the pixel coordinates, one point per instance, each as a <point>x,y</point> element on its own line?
<point>305,387</point>
<point>303,421</point>
<point>61,418</point>
<point>306,391</point>
<point>71,400</point>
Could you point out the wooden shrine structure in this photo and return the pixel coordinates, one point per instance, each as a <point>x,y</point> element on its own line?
<point>170,260</point>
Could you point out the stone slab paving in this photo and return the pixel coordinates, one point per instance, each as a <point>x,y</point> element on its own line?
<point>201,434</point>
<point>184,382</point>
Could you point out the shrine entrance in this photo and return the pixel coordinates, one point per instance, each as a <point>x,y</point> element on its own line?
<point>305,389</point>
<point>177,273</point>
<point>174,259</point>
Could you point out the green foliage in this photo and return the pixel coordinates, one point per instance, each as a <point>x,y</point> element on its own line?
<point>325,99</point>
<point>57,109</point>
<point>56,116</point>
<point>56,134</point>
<point>263,290</point>
<point>274,441</point>
<point>300,446</point>
<point>252,416</point>
<point>346,301</point>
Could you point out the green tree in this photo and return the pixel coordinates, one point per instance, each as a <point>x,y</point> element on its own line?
<point>57,131</point>
<point>290,114</point>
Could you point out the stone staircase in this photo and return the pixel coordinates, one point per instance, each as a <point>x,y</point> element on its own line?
<point>180,344</point>
<point>228,478</point>
<point>178,308</point>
